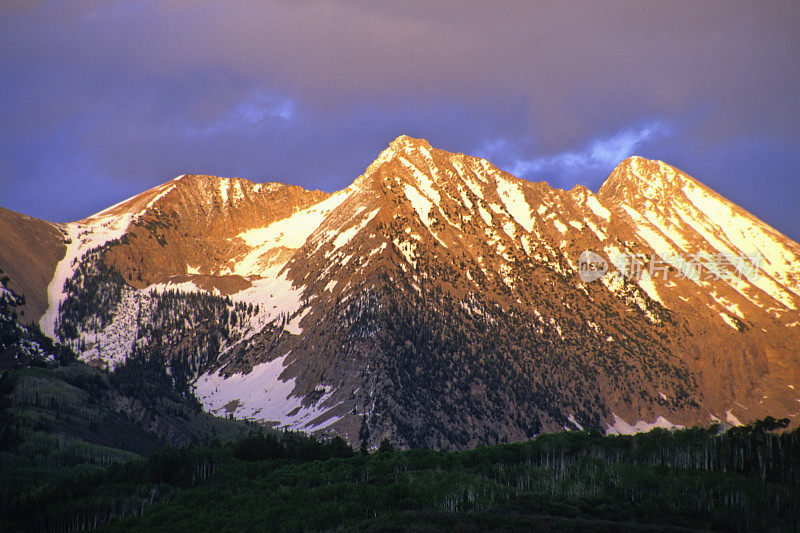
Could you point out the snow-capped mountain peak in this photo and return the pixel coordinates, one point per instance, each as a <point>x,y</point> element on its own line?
<point>439,300</point>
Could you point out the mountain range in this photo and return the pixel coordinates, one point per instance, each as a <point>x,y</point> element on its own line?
<point>437,301</point>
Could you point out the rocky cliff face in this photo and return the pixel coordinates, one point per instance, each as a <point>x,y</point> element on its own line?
<point>30,249</point>
<point>442,302</point>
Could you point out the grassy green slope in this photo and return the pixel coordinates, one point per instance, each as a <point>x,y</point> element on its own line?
<point>60,421</point>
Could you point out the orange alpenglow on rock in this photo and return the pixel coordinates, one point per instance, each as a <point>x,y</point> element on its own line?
<point>437,300</point>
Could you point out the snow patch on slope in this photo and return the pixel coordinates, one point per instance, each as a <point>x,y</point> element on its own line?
<point>291,233</point>
<point>514,199</point>
<point>408,251</point>
<point>593,204</point>
<point>728,320</point>
<point>166,188</point>
<point>731,418</point>
<point>423,181</point>
<point>261,395</point>
<point>83,237</point>
<point>422,205</point>
<point>621,427</point>
<point>293,326</point>
<point>115,342</point>
<point>646,283</point>
<point>275,297</point>
<point>348,234</point>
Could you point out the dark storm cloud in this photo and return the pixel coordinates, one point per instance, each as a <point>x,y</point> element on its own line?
<point>100,100</point>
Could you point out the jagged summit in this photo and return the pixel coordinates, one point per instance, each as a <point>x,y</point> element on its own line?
<point>401,146</point>
<point>637,177</point>
<point>405,142</point>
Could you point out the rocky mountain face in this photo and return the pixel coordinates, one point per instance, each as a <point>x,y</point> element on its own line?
<point>437,301</point>
<point>29,250</point>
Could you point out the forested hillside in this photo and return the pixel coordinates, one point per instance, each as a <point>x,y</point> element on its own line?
<point>746,479</point>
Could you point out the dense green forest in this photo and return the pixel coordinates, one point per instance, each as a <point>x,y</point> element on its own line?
<point>744,479</point>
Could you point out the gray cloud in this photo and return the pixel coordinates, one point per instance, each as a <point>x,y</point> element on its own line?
<point>308,92</point>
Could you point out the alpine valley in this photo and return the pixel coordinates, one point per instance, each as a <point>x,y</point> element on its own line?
<point>436,301</point>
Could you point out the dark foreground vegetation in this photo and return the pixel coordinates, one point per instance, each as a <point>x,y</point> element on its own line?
<point>747,478</point>
<point>83,449</point>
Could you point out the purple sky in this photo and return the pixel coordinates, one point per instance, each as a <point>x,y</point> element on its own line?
<point>101,101</point>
